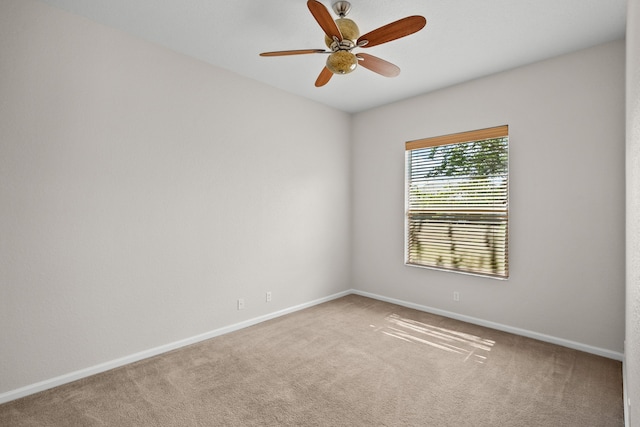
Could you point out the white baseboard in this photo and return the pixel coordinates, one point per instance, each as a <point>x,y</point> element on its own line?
<point>505,328</point>
<point>103,367</point>
<point>625,396</point>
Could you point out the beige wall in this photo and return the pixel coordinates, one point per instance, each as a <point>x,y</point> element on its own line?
<point>632,353</point>
<point>143,192</point>
<point>566,123</point>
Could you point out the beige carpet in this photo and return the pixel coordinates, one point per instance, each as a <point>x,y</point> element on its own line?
<point>349,362</point>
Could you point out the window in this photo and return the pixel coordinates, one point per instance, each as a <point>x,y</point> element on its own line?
<point>457,202</point>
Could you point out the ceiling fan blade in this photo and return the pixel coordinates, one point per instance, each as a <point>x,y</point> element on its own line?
<point>378,65</point>
<point>322,15</point>
<point>292,52</point>
<point>324,77</point>
<point>393,31</point>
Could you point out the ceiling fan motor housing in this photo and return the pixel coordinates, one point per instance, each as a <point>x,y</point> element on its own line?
<point>350,33</point>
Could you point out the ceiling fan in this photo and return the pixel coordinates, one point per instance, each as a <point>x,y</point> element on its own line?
<point>343,35</point>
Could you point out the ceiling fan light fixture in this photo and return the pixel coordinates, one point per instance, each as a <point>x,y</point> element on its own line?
<point>342,62</point>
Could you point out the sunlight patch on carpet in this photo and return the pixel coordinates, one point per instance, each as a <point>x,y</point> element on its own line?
<point>469,346</point>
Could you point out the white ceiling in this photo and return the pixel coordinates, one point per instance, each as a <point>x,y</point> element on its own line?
<point>463,39</point>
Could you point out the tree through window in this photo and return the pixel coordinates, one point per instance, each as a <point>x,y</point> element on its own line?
<point>457,202</point>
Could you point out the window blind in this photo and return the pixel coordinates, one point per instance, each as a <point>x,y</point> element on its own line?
<point>457,202</point>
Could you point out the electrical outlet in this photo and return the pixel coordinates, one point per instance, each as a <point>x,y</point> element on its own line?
<point>268,296</point>
<point>240,303</point>
<point>456,296</point>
